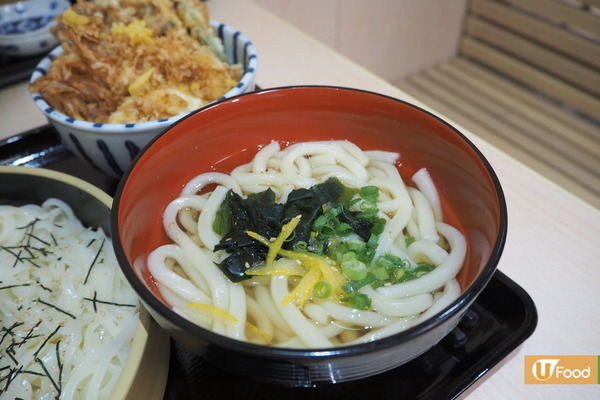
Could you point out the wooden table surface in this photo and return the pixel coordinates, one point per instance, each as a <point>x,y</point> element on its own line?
<point>553,240</point>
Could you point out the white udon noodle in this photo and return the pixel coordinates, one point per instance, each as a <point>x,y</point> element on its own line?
<point>53,343</point>
<point>185,270</point>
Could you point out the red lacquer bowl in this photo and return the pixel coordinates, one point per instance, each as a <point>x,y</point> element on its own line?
<point>228,133</point>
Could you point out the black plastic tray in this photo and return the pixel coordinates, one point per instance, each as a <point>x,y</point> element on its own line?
<point>501,318</point>
<point>17,69</point>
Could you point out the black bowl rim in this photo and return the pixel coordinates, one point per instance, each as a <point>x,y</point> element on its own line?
<point>289,354</point>
<point>58,176</point>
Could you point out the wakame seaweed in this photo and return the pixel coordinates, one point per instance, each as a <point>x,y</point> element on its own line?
<point>260,213</point>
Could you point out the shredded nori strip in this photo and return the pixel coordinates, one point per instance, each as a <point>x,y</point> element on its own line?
<point>95,301</point>
<point>56,308</point>
<point>94,261</point>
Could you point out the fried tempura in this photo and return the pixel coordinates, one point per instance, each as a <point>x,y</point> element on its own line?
<point>128,61</point>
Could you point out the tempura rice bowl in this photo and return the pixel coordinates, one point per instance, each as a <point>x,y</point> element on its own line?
<point>226,134</point>
<point>110,148</point>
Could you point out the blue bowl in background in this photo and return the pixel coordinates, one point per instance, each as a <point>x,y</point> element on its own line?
<point>25,26</point>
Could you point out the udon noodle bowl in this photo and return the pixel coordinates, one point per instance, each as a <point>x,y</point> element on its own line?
<point>313,245</point>
<point>68,315</point>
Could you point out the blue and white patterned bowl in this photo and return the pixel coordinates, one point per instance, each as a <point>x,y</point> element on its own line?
<point>110,148</point>
<point>25,26</point>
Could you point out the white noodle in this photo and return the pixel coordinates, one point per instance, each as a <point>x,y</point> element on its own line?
<point>303,328</point>
<point>68,314</point>
<point>450,293</point>
<point>163,273</point>
<point>440,275</point>
<point>399,307</point>
<point>342,313</point>
<point>205,232</point>
<point>425,217</point>
<point>398,326</point>
<point>406,211</point>
<point>316,313</point>
<point>271,310</point>
<point>423,181</point>
<point>237,308</point>
<point>393,228</point>
<point>428,249</point>
<point>262,321</point>
<point>259,164</point>
<point>200,181</point>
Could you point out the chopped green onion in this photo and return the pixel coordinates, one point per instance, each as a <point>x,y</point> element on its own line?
<point>357,300</point>
<point>369,193</point>
<point>377,228</point>
<point>373,241</point>
<point>333,221</point>
<point>381,273</point>
<point>400,273</point>
<point>319,222</point>
<point>368,215</point>
<point>335,211</point>
<point>414,273</point>
<point>355,246</point>
<point>301,246</point>
<point>424,266</point>
<point>368,207</point>
<point>366,255</point>
<point>317,246</point>
<point>344,229</point>
<point>390,262</point>
<point>291,237</point>
<point>353,286</point>
<point>350,203</point>
<point>322,290</point>
<point>327,230</point>
<point>354,269</point>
